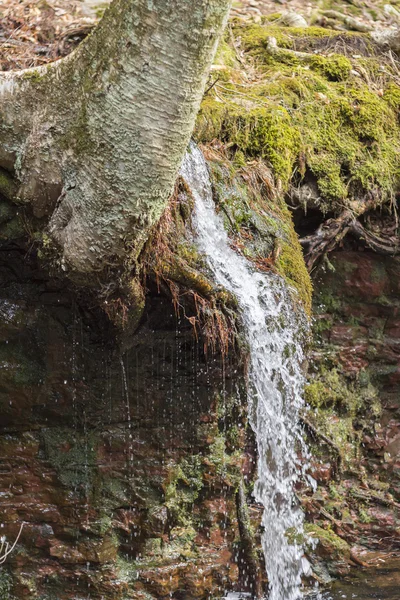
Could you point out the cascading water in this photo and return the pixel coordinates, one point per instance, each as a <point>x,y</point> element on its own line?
<point>275,380</point>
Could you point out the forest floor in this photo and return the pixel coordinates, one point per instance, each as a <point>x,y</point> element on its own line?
<point>368,11</point>
<point>33,33</point>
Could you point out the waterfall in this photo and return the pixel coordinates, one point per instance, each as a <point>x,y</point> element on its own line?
<point>275,384</point>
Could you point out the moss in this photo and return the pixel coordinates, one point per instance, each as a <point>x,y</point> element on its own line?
<point>5,584</point>
<point>182,489</point>
<point>255,37</point>
<point>126,570</point>
<point>73,455</point>
<point>364,516</point>
<point>256,131</point>
<point>262,225</point>
<point>334,68</point>
<point>292,266</point>
<point>331,542</point>
<point>226,55</point>
<point>309,114</point>
<point>33,75</point>
<point>392,96</point>
<point>329,388</point>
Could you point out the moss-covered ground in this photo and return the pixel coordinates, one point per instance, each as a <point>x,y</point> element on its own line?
<point>323,105</point>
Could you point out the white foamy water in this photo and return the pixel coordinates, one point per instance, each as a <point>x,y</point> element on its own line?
<point>273,331</point>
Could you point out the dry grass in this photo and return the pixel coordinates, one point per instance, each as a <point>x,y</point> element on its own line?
<point>35,33</point>
<point>194,297</point>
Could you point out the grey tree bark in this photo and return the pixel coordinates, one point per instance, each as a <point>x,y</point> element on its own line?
<point>93,142</point>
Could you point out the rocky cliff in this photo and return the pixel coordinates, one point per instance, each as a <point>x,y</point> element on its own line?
<point>127,456</point>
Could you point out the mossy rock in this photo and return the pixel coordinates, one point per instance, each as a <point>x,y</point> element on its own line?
<point>331,545</point>
<point>73,455</point>
<point>260,222</point>
<point>310,114</point>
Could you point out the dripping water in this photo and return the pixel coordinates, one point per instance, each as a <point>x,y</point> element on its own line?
<point>274,335</point>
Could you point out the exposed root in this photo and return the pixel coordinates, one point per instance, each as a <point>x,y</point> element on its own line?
<point>326,238</point>
<point>388,246</point>
<point>331,232</point>
<point>349,22</point>
<point>273,48</point>
<point>171,261</point>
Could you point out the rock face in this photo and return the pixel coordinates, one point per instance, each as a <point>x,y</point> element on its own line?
<point>123,468</point>
<point>124,465</point>
<point>354,395</point>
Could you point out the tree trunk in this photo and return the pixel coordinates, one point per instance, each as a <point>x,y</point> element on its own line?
<point>93,142</point>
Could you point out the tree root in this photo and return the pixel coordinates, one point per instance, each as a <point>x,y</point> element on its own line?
<point>326,238</point>
<point>349,22</point>
<point>384,38</point>
<point>273,48</point>
<point>330,233</point>
<point>386,246</point>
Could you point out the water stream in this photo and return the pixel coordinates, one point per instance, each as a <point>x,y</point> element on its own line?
<point>273,331</point>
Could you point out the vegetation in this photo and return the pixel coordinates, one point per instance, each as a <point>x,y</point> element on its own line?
<point>325,115</point>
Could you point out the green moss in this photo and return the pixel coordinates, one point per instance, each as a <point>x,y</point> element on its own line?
<point>127,570</point>
<point>256,131</point>
<point>392,96</point>
<point>226,55</point>
<point>335,67</point>
<point>260,224</point>
<point>364,516</point>
<point>292,266</point>
<point>182,489</point>
<point>33,75</point>
<point>337,547</point>
<point>329,388</point>
<point>255,37</point>
<point>308,113</point>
